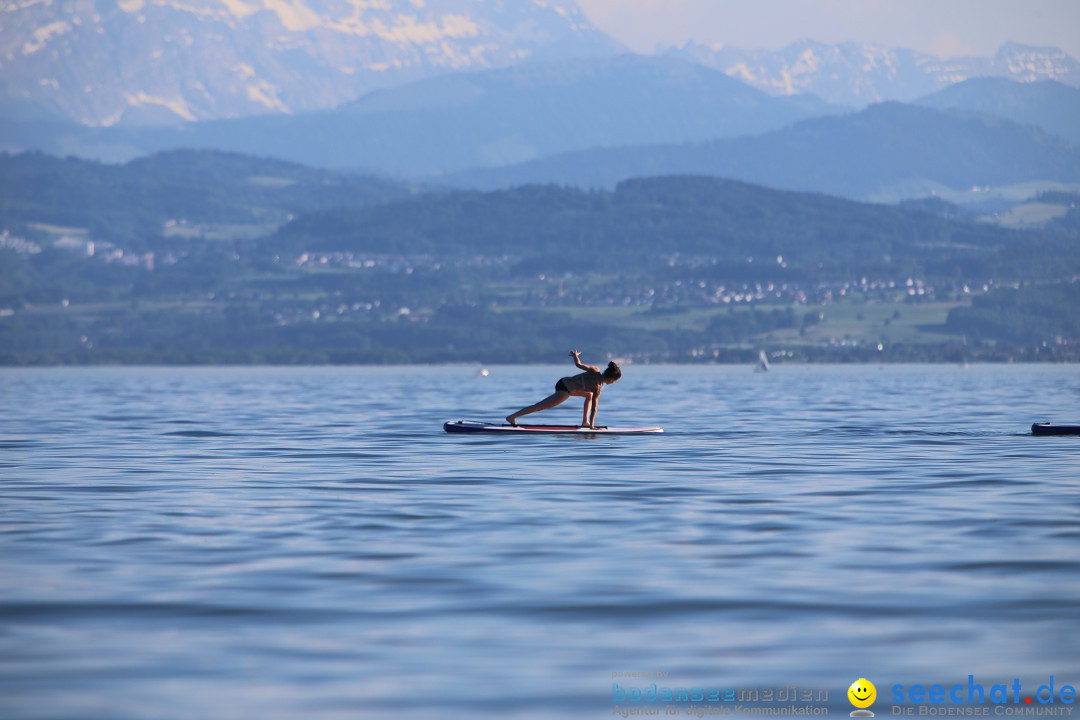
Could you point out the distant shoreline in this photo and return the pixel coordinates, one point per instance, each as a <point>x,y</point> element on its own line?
<point>1027,359</point>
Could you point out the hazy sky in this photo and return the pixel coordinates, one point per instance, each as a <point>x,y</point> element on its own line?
<point>941,27</point>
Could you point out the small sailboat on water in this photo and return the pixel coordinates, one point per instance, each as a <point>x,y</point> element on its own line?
<point>762,362</point>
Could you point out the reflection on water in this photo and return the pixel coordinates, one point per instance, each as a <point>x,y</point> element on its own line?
<point>285,543</point>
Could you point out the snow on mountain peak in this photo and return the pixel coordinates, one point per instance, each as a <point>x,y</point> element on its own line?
<point>856,74</point>
<point>101,61</point>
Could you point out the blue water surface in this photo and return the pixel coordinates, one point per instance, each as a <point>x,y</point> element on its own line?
<point>308,543</point>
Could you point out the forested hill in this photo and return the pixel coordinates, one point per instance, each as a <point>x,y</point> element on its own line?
<point>745,227</point>
<point>130,203</point>
<point>184,259</point>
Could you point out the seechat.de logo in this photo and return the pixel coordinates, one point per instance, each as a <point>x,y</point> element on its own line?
<point>973,693</point>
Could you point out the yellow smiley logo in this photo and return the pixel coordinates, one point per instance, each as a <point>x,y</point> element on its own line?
<point>862,693</point>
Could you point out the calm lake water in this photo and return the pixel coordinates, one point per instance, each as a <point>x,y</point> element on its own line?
<point>308,543</point>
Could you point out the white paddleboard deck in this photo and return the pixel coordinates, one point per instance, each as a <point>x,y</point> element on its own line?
<point>478,426</point>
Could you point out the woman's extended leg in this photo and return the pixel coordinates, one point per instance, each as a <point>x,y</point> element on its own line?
<point>556,398</point>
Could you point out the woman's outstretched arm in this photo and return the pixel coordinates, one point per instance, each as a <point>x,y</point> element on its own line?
<point>582,366</point>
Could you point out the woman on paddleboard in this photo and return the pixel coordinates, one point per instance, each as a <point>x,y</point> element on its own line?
<point>588,385</point>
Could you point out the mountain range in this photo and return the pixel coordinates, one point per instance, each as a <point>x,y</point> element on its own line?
<point>102,62</point>
<point>1049,105</point>
<point>491,93</point>
<point>496,117</point>
<point>595,122</point>
<point>858,74</point>
<point>887,152</point>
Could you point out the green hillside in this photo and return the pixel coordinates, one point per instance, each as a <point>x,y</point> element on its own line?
<point>195,190</point>
<point>732,230</point>
<point>183,260</point>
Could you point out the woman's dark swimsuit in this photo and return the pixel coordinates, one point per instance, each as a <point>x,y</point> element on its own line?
<point>589,381</point>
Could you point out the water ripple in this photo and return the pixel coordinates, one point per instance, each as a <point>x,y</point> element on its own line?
<point>307,542</point>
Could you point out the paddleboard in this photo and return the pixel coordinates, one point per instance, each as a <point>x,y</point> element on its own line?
<point>1051,429</point>
<point>478,426</point>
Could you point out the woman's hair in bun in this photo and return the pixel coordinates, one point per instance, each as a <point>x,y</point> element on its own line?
<point>613,371</point>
